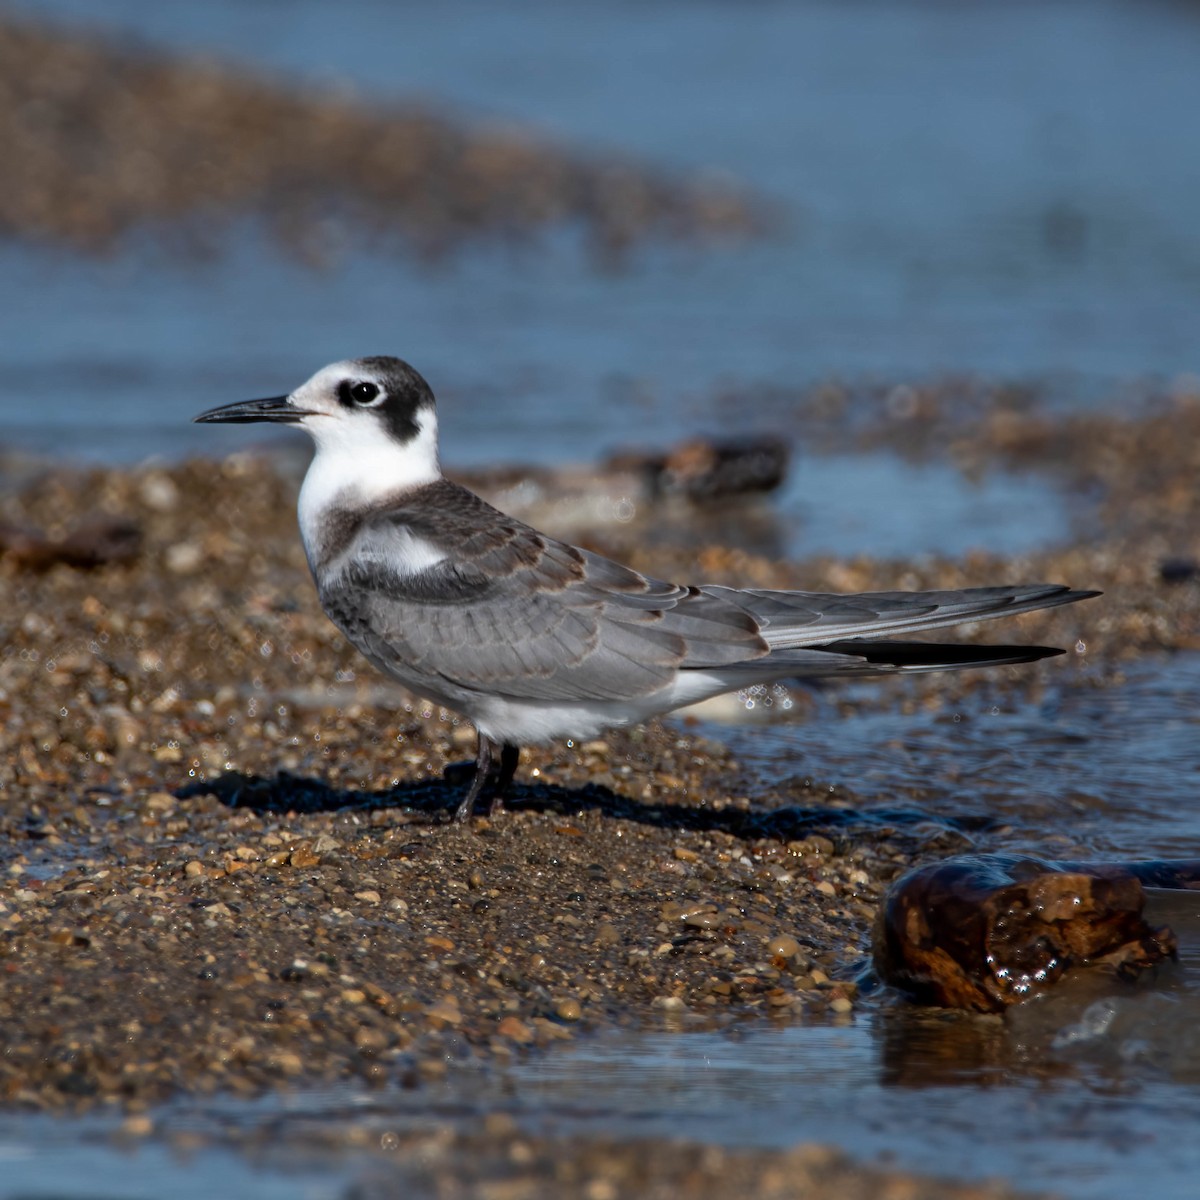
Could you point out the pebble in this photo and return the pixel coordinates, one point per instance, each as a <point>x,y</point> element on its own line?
<point>184,558</point>
<point>515,1030</point>
<point>137,1125</point>
<point>569,1009</point>
<point>446,1010</point>
<point>287,1061</point>
<point>783,946</point>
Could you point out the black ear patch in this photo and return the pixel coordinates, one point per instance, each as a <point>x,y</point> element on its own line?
<point>404,393</point>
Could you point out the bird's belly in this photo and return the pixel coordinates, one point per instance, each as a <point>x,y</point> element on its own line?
<point>526,722</point>
<point>505,719</point>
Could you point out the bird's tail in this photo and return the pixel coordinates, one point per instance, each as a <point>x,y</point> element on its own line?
<point>923,656</point>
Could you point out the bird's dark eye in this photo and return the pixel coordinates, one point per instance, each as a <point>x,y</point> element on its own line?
<point>363,393</point>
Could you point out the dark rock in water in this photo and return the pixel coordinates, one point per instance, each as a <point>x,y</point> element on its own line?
<point>987,931</point>
<point>94,544</point>
<point>702,469</point>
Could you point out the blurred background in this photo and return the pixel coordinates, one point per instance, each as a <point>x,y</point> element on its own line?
<point>586,222</point>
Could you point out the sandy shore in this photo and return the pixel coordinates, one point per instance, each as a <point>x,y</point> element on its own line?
<point>226,864</point>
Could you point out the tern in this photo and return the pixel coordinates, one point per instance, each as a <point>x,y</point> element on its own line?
<point>533,639</point>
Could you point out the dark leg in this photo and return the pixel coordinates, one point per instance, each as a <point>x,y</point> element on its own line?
<point>509,757</point>
<point>483,768</point>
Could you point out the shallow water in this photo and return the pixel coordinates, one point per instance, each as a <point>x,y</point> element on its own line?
<point>998,190</point>
<point>1108,772</point>
<point>1090,1093</point>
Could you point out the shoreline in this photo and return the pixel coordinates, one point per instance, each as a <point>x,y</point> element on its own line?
<point>220,879</point>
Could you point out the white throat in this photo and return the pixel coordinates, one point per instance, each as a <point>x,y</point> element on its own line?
<point>356,464</point>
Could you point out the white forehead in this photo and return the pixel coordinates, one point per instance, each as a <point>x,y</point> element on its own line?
<point>325,382</point>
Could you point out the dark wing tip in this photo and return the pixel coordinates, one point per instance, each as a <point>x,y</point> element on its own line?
<point>934,656</point>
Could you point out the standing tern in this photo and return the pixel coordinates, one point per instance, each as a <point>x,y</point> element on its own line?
<point>533,639</point>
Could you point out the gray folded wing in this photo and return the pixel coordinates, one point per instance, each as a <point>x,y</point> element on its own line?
<point>514,613</point>
<point>511,612</point>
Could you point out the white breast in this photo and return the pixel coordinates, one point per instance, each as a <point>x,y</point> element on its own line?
<point>356,465</point>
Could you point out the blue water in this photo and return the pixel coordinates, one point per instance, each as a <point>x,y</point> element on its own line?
<point>1075,772</point>
<point>996,189</point>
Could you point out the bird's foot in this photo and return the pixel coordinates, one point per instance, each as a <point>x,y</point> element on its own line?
<point>485,769</point>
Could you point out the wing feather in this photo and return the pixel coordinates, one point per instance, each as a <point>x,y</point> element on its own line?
<point>501,609</point>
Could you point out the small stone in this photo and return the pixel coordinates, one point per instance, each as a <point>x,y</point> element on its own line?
<point>288,1062</point>
<point>370,1040</point>
<point>607,935</point>
<point>515,1030</point>
<point>354,996</point>
<point>194,869</point>
<point>446,1010</point>
<point>137,1125</point>
<point>369,896</point>
<point>783,946</point>
<point>499,1125</point>
<point>159,492</point>
<point>1178,570</point>
<point>826,888</point>
<point>160,802</point>
<point>184,557</point>
<point>569,1009</point>
<point>841,1004</point>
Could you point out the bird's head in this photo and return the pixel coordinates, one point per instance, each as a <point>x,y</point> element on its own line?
<point>364,414</point>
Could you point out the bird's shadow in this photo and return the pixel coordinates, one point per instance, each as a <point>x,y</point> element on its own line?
<point>437,800</point>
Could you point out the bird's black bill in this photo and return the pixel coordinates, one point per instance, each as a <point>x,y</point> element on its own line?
<point>274,408</point>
